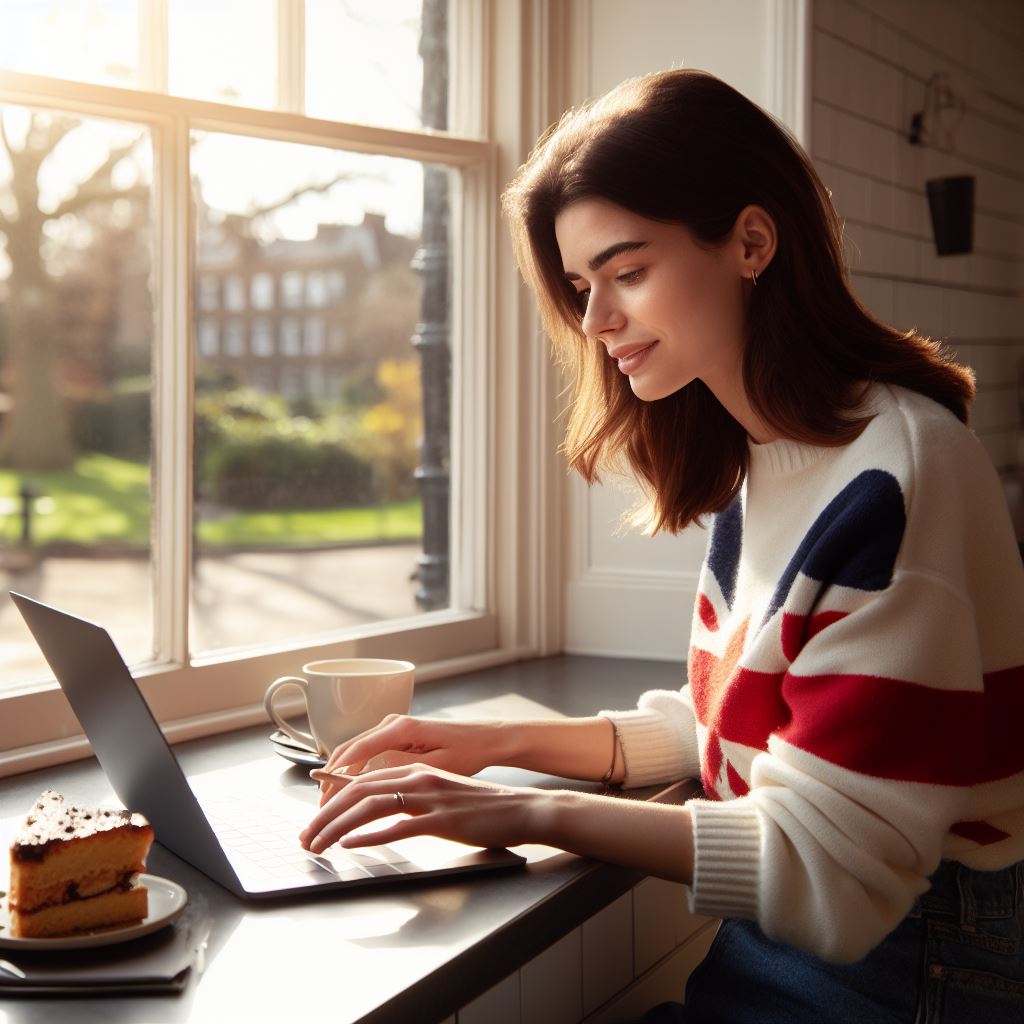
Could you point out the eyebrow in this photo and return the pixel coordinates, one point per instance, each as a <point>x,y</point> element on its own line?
<point>606,254</point>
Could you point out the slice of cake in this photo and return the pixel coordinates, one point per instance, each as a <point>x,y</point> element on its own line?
<point>74,868</point>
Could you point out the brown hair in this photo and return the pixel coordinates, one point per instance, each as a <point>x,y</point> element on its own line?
<point>683,147</point>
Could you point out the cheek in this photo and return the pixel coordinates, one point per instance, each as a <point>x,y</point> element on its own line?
<point>715,303</point>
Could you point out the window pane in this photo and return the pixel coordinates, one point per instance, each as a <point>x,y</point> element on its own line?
<point>322,451</point>
<point>89,42</point>
<point>224,51</point>
<point>364,63</point>
<point>76,319</point>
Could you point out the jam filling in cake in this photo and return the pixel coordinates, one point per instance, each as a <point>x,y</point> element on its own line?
<point>74,869</point>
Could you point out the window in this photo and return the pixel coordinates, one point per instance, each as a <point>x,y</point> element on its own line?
<point>292,289</point>
<point>262,337</point>
<point>234,293</point>
<point>316,289</point>
<point>234,338</point>
<point>236,183</point>
<point>201,61</point>
<point>76,364</point>
<point>335,286</point>
<point>209,338</point>
<point>262,291</point>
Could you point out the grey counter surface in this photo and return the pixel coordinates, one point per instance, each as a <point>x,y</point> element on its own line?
<point>407,952</point>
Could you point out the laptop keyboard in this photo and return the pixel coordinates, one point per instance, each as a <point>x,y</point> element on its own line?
<point>267,846</point>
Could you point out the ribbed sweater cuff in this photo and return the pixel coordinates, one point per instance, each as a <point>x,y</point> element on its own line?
<point>727,857</point>
<point>654,752</point>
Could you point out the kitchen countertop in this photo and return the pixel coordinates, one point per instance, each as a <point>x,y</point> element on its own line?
<point>412,951</point>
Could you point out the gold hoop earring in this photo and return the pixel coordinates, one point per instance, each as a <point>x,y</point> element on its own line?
<point>753,276</point>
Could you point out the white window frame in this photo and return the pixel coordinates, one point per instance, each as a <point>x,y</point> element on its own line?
<point>505,539</point>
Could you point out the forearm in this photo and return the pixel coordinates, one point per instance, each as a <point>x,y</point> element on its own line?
<point>656,838</point>
<point>574,748</point>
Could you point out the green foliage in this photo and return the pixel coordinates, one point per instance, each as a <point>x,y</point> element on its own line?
<point>253,451</point>
<point>285,466</point>
<point>118,425</point>
<point>252,454</point>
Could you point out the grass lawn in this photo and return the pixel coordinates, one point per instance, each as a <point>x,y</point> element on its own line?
<point>106,500</point>
<point>403,521</point>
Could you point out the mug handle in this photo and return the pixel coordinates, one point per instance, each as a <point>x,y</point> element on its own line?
<point>304,738</point>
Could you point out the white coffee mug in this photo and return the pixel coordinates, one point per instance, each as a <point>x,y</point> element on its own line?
<point>344,697</point>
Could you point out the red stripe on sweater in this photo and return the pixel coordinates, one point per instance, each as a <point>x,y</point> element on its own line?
<point>893,729</point>
<point>887,728</point>
<point>980,832</point>
<point>798,629</point>
<point>1004,714</point>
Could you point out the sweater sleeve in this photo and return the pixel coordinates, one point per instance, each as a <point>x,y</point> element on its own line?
<point>658,738</point>
<point>891,717</point>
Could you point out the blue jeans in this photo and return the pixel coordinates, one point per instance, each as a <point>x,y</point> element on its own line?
<point>957,958</point>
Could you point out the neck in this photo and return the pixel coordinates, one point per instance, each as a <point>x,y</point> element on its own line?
<point>730,392</point>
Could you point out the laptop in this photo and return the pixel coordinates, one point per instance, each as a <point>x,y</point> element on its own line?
<point>250,847</point>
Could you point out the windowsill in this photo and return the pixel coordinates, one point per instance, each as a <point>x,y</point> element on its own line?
<point>416,951</point>
<point>217,695</point>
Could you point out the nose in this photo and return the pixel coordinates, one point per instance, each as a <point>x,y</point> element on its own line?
<point>603,314</point>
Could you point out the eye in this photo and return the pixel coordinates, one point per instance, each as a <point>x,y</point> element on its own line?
<point>630,276</point>
<point>580,300</point>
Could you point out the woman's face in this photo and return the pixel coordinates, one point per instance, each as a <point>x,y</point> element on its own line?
<point>666,310</point>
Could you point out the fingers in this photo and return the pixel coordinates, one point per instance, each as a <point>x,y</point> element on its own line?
<point>340,816</point>
<point>403,828</point>
<point>391,734</point>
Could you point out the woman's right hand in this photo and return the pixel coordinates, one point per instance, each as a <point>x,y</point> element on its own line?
<point>464,748</point>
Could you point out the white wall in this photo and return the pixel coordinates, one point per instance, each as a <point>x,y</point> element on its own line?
<point>626,594</point>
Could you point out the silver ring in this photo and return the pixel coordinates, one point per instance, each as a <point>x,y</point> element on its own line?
<point>401,801</point>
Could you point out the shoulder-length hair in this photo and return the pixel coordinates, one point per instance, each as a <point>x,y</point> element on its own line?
<point>683,147</point>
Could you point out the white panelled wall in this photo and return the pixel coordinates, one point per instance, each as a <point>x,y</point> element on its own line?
<point>629,595</point>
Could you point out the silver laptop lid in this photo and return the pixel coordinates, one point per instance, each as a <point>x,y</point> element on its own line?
<point>125,736</point>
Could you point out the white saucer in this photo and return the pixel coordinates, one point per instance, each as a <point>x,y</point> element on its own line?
<point>167,900</point>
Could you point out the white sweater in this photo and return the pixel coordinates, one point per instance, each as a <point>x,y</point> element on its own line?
<point>855,704</point>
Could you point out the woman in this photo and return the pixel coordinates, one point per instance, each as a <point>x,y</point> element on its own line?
<point>856,674</point>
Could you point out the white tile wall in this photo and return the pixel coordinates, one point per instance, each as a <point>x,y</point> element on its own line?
<point>872,60</point>
<point>636,952</point>
<point>552,983</point>
<point>499,1005</point>
<point>607,948</point>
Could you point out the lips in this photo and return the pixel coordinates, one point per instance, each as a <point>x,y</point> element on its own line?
<point>631,357</point>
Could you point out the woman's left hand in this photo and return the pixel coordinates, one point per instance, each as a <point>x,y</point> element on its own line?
<point>437,803</point>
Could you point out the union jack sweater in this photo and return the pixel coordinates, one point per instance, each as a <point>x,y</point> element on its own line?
<point>855,696</point>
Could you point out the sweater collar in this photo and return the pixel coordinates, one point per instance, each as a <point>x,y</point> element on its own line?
<point>777,458</point>
<point>784,456</point>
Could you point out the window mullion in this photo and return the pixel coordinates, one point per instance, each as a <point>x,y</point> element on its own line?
<point>153,45</point>
<point>291,55</point>
<point>173,394</point>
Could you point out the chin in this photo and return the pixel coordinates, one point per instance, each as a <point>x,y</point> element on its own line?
<point>653,390</point>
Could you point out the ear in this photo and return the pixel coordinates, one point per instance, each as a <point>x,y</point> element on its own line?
<point>754,239</point>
